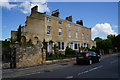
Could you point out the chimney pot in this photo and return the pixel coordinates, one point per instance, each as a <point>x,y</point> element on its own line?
<point>56,13</point>
<point>34,9</point>
<point>69,18</point>
<point>79,22</point>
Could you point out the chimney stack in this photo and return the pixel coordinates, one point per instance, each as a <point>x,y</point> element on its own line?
<point>34,9</point>
<point>69,18</point>
<point>56,13</point>
<point>80,22</point>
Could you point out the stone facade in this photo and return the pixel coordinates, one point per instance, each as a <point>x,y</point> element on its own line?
<point>29,56</point>
<point>63,33</point>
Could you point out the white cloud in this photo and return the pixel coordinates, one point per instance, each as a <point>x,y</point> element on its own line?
<point>7,5</point>
<point>26,6</point>
<point>102,29</point>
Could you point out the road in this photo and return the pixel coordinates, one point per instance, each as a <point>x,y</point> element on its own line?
<point>107,68</point>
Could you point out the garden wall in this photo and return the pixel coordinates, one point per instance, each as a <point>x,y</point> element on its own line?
<point>29,56</point>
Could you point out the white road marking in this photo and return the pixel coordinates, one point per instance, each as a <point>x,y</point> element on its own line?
<point>89,70</point>
<point>113,61</point>
<point>69,77</point>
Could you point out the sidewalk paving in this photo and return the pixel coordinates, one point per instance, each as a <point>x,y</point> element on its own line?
<point>51,65</point>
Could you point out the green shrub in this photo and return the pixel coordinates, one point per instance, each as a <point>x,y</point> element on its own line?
<point>69,52</point>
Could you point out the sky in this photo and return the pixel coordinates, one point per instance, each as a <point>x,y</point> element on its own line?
<point>101,17</point>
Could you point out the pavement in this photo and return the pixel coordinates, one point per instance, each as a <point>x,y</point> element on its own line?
<point>50,65</point>
<point>13,73</point>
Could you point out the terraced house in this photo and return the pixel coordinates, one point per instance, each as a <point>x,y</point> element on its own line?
<point>52,28</point>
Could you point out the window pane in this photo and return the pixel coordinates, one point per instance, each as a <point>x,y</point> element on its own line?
<point>60,32</point>
<point>48,29</point>
<point>60,22</point>
<point>82,36</point>
<point>76,27</point>
<point>62,45</point>
<point>87,37</point>
<point>48,19</point>
<point>69,24</point>
<point>76,34</point>
<point>76,46</point>
<point>59,45</point>
<point>69,33</point>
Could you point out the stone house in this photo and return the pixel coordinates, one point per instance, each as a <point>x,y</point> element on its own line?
<point>63,33</point>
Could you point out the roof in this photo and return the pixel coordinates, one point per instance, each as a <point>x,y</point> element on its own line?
<point>66,21</point>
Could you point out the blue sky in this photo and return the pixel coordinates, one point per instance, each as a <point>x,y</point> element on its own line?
<point>102,17</point>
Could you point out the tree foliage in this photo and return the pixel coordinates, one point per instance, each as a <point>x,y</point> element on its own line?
<point>111,42</point>
<point>44,45</point>
<point>5,43</point>
<point>19,34</point>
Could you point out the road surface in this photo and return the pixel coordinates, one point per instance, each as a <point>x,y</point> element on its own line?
<point>107,68</point>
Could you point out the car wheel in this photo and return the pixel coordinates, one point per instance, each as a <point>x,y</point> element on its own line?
<point>99,60</point>
<point>90,62</point>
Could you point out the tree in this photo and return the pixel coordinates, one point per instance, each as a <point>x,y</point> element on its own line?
<point>5,43</point>
<point>19,34</point>
<point>111,37</point>
<point>117,42</point>
<point>107,44</point>
<point>44,45</point>
<point>99,42</point>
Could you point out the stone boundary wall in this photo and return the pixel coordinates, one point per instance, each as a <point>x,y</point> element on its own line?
<point>29,56</point>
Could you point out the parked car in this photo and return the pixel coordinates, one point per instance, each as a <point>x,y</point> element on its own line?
<point>88,57</point>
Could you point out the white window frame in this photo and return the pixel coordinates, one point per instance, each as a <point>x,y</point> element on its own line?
<point>76,27</point>
<point>61,47</point>
<point>78,45</point>
<point>60,31</point>
<point>82,36</point>
<point>49,30</point>
<point>69,33</point>
<point>69,24</point>
<point>87,37</point>
<point>77,35</point>
<point>71,45</point>
<point>48,19</point>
